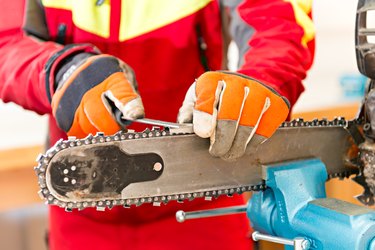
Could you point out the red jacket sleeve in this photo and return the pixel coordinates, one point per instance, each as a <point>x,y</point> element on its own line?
<point>282,47</point>
<point>22,61</point>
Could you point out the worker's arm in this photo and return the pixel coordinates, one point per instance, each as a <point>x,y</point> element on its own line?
<point>281,49</point>
<point>22,61</point>
<point>80,88</point>
<point>236,111</point>
<point>27,69</point>
<point>27,63</point>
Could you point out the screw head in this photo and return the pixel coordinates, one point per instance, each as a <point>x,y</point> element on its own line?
<point>305,244</point>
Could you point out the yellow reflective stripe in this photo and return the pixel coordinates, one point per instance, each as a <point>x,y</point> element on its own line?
<point>92,18</point>
<point>301,10</point>
<point>141,16</point>
<point>86,14</point>
<point>58,4</point>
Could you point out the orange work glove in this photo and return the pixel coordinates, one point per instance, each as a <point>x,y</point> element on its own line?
<point>89,89</point>
<point>233,110</point>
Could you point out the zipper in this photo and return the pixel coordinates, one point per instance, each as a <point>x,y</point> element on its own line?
<point>61,33</point>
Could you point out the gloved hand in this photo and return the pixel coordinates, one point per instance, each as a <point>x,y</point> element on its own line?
<point>89,87</point>
<point>233,110</point>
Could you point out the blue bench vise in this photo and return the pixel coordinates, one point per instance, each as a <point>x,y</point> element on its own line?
<point>295,208</point>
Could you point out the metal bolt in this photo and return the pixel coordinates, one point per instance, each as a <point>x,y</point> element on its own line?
<point>305,244</point>
<point>301,244</point>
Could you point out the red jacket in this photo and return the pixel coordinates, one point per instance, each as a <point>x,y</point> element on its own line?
<point>168,44</point>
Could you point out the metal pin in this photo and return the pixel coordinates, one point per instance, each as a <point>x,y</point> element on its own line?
<point>298,243</point>
<point>181,216</point>
<point>158,166</point>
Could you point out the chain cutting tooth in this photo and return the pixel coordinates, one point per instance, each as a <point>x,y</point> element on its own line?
<point>70,205</point>
<point>127,203</point>
<point>39,157</point>
<point>42,169</point>
<point>324,122</point>
<point>109,204</point>
<point>155,128</point>
<point>72,138</point>
<point>100,209</point>
<point>156,204</point>
<point>41,195</point>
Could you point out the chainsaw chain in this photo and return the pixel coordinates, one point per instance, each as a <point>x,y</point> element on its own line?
<point>44,159</point>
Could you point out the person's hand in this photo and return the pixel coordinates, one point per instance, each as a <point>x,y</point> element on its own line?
<point>233,110</point>
<point>89,89</point>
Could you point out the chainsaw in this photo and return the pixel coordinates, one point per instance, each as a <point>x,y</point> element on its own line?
<point>169,162</point>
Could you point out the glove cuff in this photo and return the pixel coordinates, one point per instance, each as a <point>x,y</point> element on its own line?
<point>56,61</point>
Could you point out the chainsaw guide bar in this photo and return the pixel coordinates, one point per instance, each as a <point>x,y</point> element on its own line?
<point>159,165</point>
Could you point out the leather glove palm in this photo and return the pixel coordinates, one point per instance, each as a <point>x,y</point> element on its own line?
<point>233,110</point>
<point>89,88</point>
